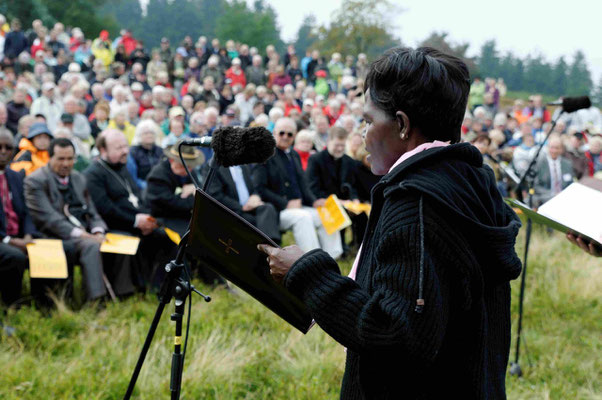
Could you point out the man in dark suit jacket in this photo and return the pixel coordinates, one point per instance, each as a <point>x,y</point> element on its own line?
<point>170,194</point>
<point>553,173</point>
<point>170,191</point>
<point>120,204</point>
<point>234,188</point>
<point>61,207</point>
<point>16,227</point>
<point>282,182</point>
<point>331,171</point>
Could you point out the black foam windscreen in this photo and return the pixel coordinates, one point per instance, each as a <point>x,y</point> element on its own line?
<point>238,146</point>
<point>571,104</point>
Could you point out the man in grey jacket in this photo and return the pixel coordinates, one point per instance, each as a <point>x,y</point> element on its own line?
<point>61,207</point>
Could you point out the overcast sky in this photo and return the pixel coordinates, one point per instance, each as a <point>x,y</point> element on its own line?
<point>552,28</point>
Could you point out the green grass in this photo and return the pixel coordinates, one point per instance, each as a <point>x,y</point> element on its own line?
<point>239,350</point>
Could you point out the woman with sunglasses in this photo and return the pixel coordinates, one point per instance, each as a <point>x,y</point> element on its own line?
<point>425,312</point>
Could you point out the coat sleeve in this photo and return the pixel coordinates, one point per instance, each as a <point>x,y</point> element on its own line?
<point>96,220</point>
<point>218,188</point>
<point>314,174</point>
<point>382,319</point>
<point>160,196</point>
<point>260,180</point>
<point>28,226</point>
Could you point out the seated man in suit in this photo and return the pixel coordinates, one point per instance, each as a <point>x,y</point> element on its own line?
<point>16,227</point>
<point>331,171</point>
<point>61,207</point>
<point>170,191</point>
<point>170,195</point>
<point>282,182</point>
<point>233,187</point>
<point>553,172</point>
<point>120,204</point>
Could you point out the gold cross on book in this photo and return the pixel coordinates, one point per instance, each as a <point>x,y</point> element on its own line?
<point>228,246</point>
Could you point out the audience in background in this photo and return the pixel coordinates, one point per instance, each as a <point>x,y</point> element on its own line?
<point>118,114</point>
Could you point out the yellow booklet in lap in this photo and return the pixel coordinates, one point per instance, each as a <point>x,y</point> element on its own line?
<point>120,244</point>
<point>333,215</point>
<point>47,259</point>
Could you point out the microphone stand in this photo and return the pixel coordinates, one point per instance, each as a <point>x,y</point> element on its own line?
<point>174,285</point>
<point>529,178</point>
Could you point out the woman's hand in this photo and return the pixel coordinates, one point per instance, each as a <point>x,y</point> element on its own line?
<point>587,247</point>
<point>280,260</point>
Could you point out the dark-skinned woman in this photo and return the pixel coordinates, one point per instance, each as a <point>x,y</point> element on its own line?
<point>425,312</point>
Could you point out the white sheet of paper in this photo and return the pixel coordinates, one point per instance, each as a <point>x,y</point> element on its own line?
<point>578,207</point>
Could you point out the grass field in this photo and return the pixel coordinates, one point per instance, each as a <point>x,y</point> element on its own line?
<point>239,350</point>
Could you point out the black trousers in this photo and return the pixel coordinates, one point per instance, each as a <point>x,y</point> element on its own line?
<point>13,263</point>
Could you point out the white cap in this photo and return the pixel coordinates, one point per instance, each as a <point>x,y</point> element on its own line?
<point>48,86</point>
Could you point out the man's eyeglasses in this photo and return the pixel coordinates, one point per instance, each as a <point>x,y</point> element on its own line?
<point>7,147</point>
<point>290,134</point>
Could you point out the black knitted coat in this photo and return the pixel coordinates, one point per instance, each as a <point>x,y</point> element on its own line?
<point>428,316</point>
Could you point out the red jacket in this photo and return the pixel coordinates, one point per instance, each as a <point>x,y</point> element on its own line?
<point>236,79</point>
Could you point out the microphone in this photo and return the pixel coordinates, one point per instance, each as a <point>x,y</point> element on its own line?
<point>238,146</point>
<point>204,141</point>
<point>572,104</point>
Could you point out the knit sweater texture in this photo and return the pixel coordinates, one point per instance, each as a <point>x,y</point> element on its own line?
<point>440,232</point>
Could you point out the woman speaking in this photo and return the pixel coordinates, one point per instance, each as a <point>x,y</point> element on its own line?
<point>425,312</point>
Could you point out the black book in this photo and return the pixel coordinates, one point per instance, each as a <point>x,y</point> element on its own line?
<point>227,243</point>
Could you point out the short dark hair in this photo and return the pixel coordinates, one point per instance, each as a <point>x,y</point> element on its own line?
<point>337,132</point>
<point>431,87</point>
<point>101,141</point>
<point>60,142</point>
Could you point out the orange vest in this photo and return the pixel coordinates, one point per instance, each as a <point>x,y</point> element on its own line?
<point>29,158</point>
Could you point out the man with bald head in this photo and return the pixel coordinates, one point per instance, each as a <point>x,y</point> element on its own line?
<point>119,200</point>
<point>281,181</point>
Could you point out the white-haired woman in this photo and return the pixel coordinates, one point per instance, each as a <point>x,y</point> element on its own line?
<point>145,153</point>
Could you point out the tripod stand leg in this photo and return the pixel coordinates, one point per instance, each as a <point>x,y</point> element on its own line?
<point>515,368</point>
<point>145,347</point>
<point>176,358</point>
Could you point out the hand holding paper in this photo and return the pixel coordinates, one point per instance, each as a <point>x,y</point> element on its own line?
<point>280,260</point>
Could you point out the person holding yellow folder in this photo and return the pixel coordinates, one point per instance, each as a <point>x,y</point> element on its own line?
<point>119,202</point>
<point>61,207</point>
<point>331,171</point>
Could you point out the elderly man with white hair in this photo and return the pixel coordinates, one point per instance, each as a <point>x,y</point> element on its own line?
<point>281,181</point>
<point>213,69</point>
<point>81,126</point>
<point>255,73</point>
<point>48,105</point>
<point>120,99</point>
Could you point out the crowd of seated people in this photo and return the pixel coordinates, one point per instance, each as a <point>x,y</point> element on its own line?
<point>89,132</point>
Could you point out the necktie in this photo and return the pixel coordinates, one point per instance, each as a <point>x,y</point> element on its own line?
<point>557,183</point>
